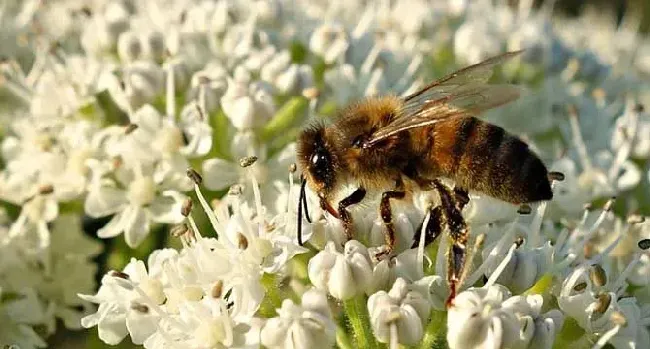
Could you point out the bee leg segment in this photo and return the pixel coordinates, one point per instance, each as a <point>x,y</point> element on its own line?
<point>343,212</point>
<point>434,227</point>
<point>387,217</point>
<point>462,197</point>
<point>459,235</point>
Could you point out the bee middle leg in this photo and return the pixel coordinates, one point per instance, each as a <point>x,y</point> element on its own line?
<point>343,212</point>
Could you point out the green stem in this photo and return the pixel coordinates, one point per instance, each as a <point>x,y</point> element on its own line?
<point>434,337</point>
<point>342,339</point>
<point>272,299</point>
<point>358,319</point>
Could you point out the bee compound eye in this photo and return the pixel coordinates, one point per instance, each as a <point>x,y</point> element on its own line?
<point>320,164</point>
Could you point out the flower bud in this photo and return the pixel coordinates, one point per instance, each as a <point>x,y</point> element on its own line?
<point>343,275</point>
<point>408,310</point>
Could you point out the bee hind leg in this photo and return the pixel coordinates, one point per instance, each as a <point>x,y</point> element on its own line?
<point>434,227</point>
<point>459,233</point>
<point>462,197</point>
<point>354,198</point>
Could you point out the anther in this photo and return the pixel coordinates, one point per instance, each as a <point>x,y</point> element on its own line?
<point>203,80</point>
<point>236,190</point>
<point>311,93</point>
<point>608,205</point>
<point>618,318</point>
<point>635,219</point>
<point>519,241</point>
<point>587,207</point>
<point>556,176</point>
<point>293,168</point>
<point>117,162</point>
<point>140,308</point>
<point>194,176</point>
<point>247,161</point>
<point>602,303</point>
<point>217,289</point>
<point>639,108</point>
<point>130,128</point>
<point>179,230</point>
<point>597,275</point>
<point>46,189</point>
<point>187,207</point>
<point>242,242</point>
<point>580,287</point>
<point>119,274</point>
<point>524,209</point>
<point>644,244</point>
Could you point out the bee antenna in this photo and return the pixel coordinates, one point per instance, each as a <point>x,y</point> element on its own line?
<point>303,195</point>
<point>302,202</point>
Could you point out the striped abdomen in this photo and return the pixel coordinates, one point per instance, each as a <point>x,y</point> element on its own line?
<point>484,157</point>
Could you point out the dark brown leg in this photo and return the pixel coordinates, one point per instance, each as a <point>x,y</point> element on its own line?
<point>345,215</point>
<point>387,217</point>
<point>433,229</point>
<point>462,197</point>
<point>459,235</point>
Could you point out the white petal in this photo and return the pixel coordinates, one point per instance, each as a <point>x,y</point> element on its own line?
<point>103,201</point>
<point>136,226</point>
<point>167,208</point>
<point>219,174</point>
<point>114,227</point>
<point>141,326</point>
<point>112,330</point>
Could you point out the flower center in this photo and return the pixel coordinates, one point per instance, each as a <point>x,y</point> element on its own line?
<point>210,333</point>
<point>142,191</point>
<point>169,139</point>
<point>153,288</point>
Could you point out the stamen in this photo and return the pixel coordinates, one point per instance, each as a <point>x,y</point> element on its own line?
<point>247,162</point>
<point>420,255</point>
<point>597,275</point>
<point>130,128</point>
<point>170,86</point>
<point>504,263</point>
<point>644,244</point>
<point>606,337</point>
<point>204,204</point>
<point>394,339</point>
<point>626,272</point>
<point>536,225</point>
<point>578,141</point>
<point>624,151</point>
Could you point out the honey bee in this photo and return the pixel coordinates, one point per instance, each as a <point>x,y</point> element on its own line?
<point>400,144</point>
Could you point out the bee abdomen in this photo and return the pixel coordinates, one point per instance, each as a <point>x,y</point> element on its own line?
<point>490,160</point>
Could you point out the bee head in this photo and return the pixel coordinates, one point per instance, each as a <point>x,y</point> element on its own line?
<point>318,159</point>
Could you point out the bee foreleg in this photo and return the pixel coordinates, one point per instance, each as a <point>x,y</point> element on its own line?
<point>434,227</point>
<point>343,212</point>
<point>387,216</point>
<point>459,235</point>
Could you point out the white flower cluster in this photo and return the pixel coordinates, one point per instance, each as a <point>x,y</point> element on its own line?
<point>106,106</point>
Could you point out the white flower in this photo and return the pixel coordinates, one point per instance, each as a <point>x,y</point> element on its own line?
<point>136,198</point>
<point>268,174</point>
<point>330,41</point>
<point>309,325</point>
<point>247,104</point>
<point>127,302</point>
<point>406,309</point>
<point>343,275</point>
<point>18,316</point>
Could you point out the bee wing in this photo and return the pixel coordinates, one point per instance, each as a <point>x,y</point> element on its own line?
<point>462,93</point>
